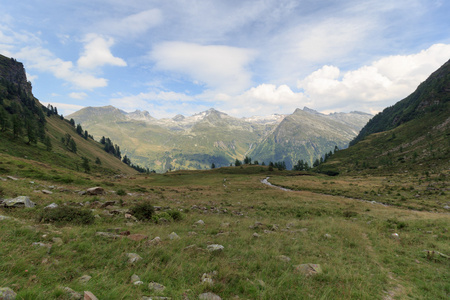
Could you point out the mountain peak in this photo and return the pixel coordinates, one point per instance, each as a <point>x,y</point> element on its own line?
<point>311,111</point>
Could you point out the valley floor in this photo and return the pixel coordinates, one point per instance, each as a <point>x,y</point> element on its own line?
<point>365,250</point>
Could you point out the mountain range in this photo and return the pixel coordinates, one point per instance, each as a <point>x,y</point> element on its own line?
<point>198,141</point>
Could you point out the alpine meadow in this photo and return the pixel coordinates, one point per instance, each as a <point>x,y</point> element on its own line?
<point>216,150</point>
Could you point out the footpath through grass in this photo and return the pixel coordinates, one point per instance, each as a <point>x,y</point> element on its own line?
<point>350,239</point>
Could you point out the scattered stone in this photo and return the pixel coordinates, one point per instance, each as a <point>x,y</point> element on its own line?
<point>225,225</point>
<point>58,241</point>
<point>215,248</point>
<point>284,258</point>
<point>137,237</point>
<point>275,227</point>
<point>82,193</point>
<point>95,191</point>
<point>4,218</point>
<point>73,295</point>
<point>207,278</point>
<point>209,296</point>
<point>157,287</point>
<point>327,236</point>
<point>108,203</point>
<point>199,223</point>
<point>139,282</point>
<point>84,278</point>
<point>156,241</point>
<point>89,296</point>
<point>256,225</point>
<point>174,236</point>
<point>135,278</point>
<point>133,257</point>
<point>51,206</point>
<point>7,294</point>
<point>192,233</point>
<point>303,230</point>
<point>2,179</point>
<point>12,178</point>
<point>395,236</point>
<point>255,235</point>
<point>446,207</point>
<point>21,201</point>
<point>108,235</point>
<point>47,192</point>
<point>40,244</point>
<point>268,231</point>
<point>155,298</point>
<point>309,269</point>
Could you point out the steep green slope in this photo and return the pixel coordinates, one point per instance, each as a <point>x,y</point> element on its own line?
<point>418,140</point>
<point>34,132</point>
<point>430,95</point>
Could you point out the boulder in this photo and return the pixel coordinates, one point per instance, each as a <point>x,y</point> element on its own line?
<point>156,241</point>
<point>21,201</point>
<point>47,192</point>
<point>7,294</point>
<point>12,178</point>
<point>95,191</point>
<point>199,223</point>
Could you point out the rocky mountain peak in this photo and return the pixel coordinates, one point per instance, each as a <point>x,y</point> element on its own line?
<point>13,72</point>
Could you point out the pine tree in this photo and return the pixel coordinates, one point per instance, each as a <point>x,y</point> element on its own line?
<point>17,126</point>
<point>48,143</point>
<point>85,164</point>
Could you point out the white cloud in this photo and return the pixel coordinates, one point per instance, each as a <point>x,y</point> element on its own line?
<point>78,96</point>
<point>97,53</point>
<point>374,86</point>
<point>221,68</point>
<point>132,25</point>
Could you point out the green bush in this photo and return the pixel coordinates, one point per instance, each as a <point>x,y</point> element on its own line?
<point>66,214</point>
<point>121,192</point>
<point>175,215</point>
<point>143,211</point>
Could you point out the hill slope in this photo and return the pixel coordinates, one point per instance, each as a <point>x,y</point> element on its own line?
<point>412,135</point>
<point>32,131</point>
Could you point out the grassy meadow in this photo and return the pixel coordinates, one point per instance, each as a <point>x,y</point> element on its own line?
<point>322,221</point>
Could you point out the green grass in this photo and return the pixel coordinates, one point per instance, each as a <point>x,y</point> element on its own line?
<point>360,259</point>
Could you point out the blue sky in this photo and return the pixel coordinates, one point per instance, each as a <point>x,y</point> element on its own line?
<point>241,57</point>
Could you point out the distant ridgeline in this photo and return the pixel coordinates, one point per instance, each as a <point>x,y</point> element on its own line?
<point>213,138</point>
<point>23,118</point>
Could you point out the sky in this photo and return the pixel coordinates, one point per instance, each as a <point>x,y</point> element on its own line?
<point>242,57</point>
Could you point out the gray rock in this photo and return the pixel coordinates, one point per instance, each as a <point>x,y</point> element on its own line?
<point>84,278</point>
<point>89,296</point>
<point>4,218</point>
<point>209,296</point>
<point>215,248</point>
<point>21,201</point>
<point>284,258</point>
<point>309,269</point>
<point>135,278</point>
<point>154,242</point>
<point>327,236</point>
<point>174,236</point>
<point>7,294</point>
<point>255,235</point>
<point>95,191</point>
<point>133,257</point>
<point>199,223</point>
<point>157,287</point>
<point>12,178</point>
<point>46,192</point>
<point>58,241</point>
<point>51,206</point>
<point>72,294</point>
